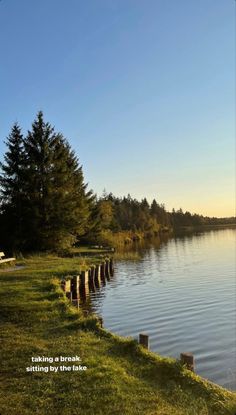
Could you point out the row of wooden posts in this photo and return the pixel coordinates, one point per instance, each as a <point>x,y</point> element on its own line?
<point>76,286</point>
<point>185,358</point>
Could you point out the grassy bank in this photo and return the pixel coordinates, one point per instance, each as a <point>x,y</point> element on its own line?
<point>96,254</point>
<point>122,378</point>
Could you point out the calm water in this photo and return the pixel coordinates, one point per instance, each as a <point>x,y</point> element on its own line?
<point>183,294</point>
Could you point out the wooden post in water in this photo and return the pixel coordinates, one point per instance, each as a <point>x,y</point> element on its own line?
<point>83,291</point>
<point>91,278</point>
<point>111,266</point>
<point>97,272</point>
<point>84,277</point>
<point>92,274</point>
<point>144,340</point>
<point>188,360</point>
<point>102,271</point>
<point>89,275</point>
<point>97,279</point>
<point>107,269</point>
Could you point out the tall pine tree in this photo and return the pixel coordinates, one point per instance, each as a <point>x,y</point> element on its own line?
<point>12,191</point>
<point>58,203</point>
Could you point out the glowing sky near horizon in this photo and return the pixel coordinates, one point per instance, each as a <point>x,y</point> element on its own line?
<point>143,90</point>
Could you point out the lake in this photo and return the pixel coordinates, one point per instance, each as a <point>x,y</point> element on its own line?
<point>182,293</point>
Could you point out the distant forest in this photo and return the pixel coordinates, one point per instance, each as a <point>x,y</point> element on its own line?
<point>45,203</point>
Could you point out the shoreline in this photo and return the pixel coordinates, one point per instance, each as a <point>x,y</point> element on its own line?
<point>122,377</point>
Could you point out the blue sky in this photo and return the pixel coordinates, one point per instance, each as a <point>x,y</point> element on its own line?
<point>143,90</point>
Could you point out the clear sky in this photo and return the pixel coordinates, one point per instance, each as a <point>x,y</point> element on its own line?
<point>142,89</point>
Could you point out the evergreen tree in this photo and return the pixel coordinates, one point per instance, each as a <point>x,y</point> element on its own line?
<point>57,200</point>
<point>12,190</point>
<point>93,226</point>
<point>105,209</point>
<point>73,217</point>
<point>39,147</point>
<point>154,209</point>
<point>45,203</point>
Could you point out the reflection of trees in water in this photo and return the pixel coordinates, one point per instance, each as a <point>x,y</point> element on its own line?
<point>186,236</point>
<point>190,233</point>
<point>145,244</point>
<point>150,249</point>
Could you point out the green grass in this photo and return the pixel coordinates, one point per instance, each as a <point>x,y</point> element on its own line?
<point>122,378</point>
<point>89,250</point>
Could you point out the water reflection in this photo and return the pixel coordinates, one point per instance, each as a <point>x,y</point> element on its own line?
<point>181,292</point>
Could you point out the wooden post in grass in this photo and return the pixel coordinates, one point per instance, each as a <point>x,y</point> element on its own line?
<point>188,360</point>
<point>69,295</point>
<point>75,287</point>
<point>144,340</point>
<point>75,303</point>
<point>68,285</point>
<point>100,319</point>
<point>63,285</point>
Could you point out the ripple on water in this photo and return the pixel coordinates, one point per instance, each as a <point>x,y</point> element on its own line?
<point>183,295</point>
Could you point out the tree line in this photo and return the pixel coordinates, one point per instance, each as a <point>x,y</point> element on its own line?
<point>124,214</point>
<point>45,203</point>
